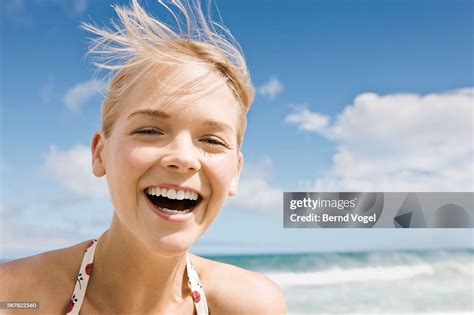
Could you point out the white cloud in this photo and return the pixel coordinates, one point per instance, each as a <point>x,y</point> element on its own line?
<point>255,191</point>
<point>399,142</point>
<point>79,94</point>
<point>20,238</point>
<point>271,88</point>
<point>72,168</point>
<point>29,227</point>
<point>307,120</point>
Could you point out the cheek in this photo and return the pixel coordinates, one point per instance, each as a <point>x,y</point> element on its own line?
<point>128,164</point>
<point>139,159</point>
<point>218,171</point>
<point>221,172</point>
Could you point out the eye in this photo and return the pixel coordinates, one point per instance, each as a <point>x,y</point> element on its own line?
<point>149,131</point>
<point>215,142</point>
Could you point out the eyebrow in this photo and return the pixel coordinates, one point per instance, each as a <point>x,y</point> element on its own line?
<point>217,124</point>
<point>163,115</point>
<point>150,112</point>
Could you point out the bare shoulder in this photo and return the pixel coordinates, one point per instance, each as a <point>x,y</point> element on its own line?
<point>47,278</point>
<point>233,290</point>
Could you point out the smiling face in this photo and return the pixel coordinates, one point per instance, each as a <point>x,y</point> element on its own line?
<point>159,141</point>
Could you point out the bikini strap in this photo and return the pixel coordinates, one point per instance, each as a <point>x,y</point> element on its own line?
<point>83,276</point>
<point>197,292</point>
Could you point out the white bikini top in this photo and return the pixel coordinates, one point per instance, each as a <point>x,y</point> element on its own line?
<point>74,306</point>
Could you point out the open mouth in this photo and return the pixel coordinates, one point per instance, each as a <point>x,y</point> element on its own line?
<point>173,201</point>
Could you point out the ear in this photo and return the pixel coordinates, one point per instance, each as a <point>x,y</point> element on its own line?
<point>235,180</point>
<point>97,148</point>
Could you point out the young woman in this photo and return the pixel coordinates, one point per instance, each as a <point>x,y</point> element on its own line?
<point>173,121</point>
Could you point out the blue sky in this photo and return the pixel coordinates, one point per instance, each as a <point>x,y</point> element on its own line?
<point>351,95</point>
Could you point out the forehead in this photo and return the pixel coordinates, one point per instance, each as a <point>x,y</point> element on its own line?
<point>184,91</point>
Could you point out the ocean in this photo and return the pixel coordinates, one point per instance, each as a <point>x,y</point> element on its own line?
<point>392,282</point>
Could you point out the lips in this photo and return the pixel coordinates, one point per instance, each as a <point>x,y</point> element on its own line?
<point>172,204</point>
<point>169,214</point>
<point>173,200</point>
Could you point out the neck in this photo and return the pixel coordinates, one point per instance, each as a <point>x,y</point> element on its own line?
<point>128,276</point>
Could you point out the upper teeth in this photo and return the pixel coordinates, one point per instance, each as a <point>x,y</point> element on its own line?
<point>172,193</point>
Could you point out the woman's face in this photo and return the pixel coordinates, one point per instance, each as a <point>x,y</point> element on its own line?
<point>189,144</point>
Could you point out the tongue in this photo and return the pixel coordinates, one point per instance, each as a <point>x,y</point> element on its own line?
<point>173,204</point>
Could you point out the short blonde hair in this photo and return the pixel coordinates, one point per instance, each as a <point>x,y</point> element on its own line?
<point>143,45</point>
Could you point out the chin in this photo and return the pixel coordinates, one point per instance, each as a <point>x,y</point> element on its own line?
<point>172,244</point>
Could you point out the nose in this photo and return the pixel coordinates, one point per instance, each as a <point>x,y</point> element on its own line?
<point>181,155</point>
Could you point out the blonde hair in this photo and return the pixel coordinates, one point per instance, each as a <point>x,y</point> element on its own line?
<point>143,45</point>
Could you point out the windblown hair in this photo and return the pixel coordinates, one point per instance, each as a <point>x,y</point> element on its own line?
<point>142,45</point>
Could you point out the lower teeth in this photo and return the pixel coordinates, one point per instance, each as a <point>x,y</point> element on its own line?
<point>171,211</point>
